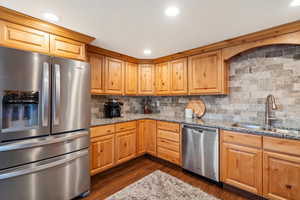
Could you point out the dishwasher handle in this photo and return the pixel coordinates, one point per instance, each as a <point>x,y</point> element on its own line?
<point>200,129</point>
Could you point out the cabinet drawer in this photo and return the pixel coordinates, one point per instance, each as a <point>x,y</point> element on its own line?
<point>125,126</point>
<point>21,37</point>
<point>60,46</point>
<point>102,130</point>
<point>167,144</point>
<point>169,126</point>
<point>168,155</point>
<point>168,135</point>
<point>241,138</point>
<point>282,145</point>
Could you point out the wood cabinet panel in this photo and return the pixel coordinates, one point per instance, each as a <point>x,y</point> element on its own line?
<point>168,126</point>
<point>282,145</point>
<point>281,176</point>
<point>172,136</point>
<point>102,130</point>
<point>163,78</point>
<point>125,146</point>
<point>168,144</point>
<point>169,155</point>
<point>150,136</point>
<point>141,140</point>
<point>97,63</point>
<point>21,37</point>
<point>207,74</point>
<point>179,85</point>
<point>64,47</point>
<point>114,76</point>
<point>242,167</point>
<point>241,139</point>
<point>125,126</point>
<point>131,79</point>
<point>146,82</point>
<point>102,153</point>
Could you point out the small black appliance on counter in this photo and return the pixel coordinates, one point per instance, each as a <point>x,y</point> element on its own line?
<point>112,109</point>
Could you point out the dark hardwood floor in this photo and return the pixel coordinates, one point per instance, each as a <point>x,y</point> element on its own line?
<point>114,180</point>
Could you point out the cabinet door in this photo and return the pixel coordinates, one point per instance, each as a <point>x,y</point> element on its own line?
<point>206,74</point>
<point>64,47</point>
<point>242,167</point>
<point>131,79</point>
<point>21,37</point>
<point>102,153</point>
<point>179,76</point>
<point>97,73</point>
<point>281,176</point>
<point>125,146</point>
<point>114,76</point>
<point>150,136</point>
<point>146,79</point>
<point>163,81</point>
<point>141,147</point>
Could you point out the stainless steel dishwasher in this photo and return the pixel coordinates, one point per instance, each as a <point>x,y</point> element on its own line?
<point>200,151</point>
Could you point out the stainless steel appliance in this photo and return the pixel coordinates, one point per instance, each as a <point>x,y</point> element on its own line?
<point>112,108</point>
<point>200,151</point>
<point>44,126</point>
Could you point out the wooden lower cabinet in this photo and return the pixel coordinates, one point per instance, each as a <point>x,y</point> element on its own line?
<point>140,138</point>
<point>281,176</point>
<point>102,153</point>
<point>125,146</point>
<point>241,162</point>
<point>150,137</point>
<point>242,167</point>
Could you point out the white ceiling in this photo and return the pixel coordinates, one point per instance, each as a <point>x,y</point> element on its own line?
<point>130,26</point>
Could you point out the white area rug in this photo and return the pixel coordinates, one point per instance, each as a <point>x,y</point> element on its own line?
<point>161,186</point>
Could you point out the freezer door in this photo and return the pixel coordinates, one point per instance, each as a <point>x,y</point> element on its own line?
<point>59,178</point>
<point>32,150</point>
<point>70,95</point>
<point>24,94</point>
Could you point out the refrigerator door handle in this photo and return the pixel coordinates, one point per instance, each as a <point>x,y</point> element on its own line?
<point>42,142</point>
<point>48,165</point>
<point>56,95</point>
<point>45,95</point>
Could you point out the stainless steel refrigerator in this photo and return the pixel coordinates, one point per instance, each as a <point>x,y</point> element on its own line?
<point>44,126</point>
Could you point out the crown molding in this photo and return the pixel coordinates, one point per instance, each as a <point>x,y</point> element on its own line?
<point>25,20</point>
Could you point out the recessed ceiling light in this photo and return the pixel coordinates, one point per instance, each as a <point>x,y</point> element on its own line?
<point>295,3</point>
<point>147,51</point>
<point>51,17</point>
<point>172,11</point>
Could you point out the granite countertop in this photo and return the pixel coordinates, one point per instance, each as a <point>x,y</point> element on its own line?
<point>225,125</point>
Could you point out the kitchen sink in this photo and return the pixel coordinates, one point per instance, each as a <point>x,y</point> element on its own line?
<point>274,130</point>
<point>250,126</point>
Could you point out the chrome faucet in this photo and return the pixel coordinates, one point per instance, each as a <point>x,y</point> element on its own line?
<point>270,104</point>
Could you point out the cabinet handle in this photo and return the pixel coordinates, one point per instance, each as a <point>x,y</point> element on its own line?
<point>112,83</point>
<point>108,131</point>
<point>288,186</point>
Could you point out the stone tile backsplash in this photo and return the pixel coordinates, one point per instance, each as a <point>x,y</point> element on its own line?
<point>253,75</point>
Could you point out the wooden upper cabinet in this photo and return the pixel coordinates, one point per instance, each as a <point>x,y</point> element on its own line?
<point>64,47</point>
<point>125,146</point>
<point>207,74</point>
<point>179,76</point>
<point>25,38</point>
<point>150,136</point>
<point>97,73</point>
<point>163,78</point>
<point>102,153</point>
<point>114,76</point>
<point>146,79</point>
<point>131,78</point>
<point>241,165</point>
